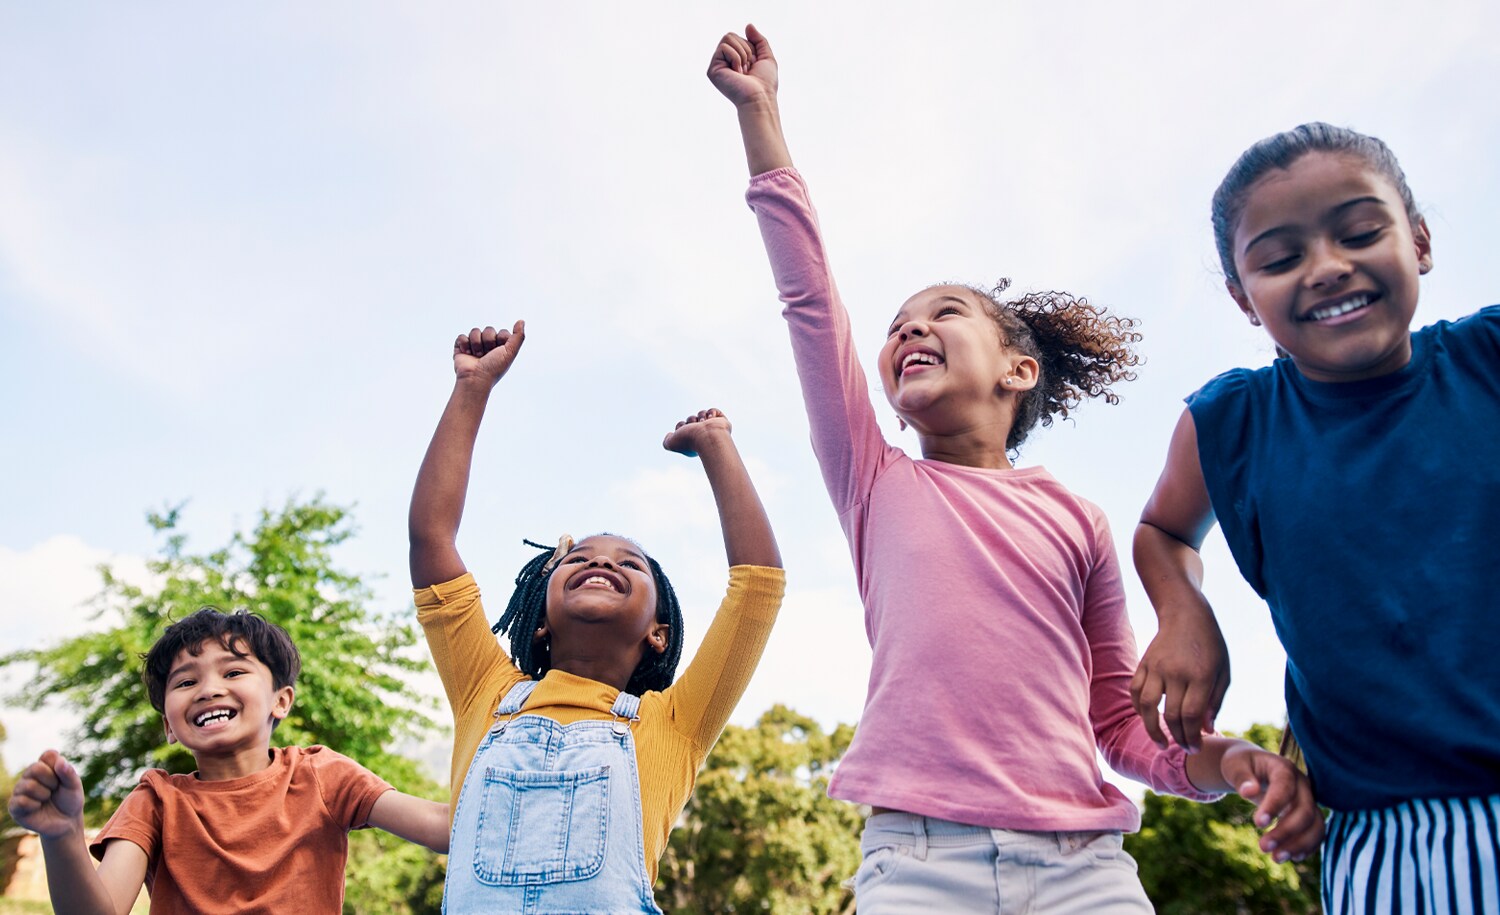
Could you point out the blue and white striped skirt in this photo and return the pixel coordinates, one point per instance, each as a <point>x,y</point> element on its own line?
<point>1431,857</point>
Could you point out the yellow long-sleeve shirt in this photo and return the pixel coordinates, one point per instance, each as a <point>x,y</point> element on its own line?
<point>678,726</point>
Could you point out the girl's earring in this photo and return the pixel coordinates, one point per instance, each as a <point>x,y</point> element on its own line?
<point>1255,319</point>
<point>902,423</point>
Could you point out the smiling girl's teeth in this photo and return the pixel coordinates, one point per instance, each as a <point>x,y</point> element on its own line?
<point>923,358</point>
<point>1340,308</point>
<point>599,580</point>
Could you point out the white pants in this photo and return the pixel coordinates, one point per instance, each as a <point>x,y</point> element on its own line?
<point>926,866</point>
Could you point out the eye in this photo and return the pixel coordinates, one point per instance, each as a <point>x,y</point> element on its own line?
<point>184,682</point>
<point>630,564</point>
<point>948,310</point>
<point>235,673</point>
<point>1278,262</point>
<point>575,558</point>
<point>1363,239</point>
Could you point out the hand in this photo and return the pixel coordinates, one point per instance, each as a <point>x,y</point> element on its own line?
<point>1280,793</point>
<point>744,69</point>
<point>1188,663</point>
<point>48,797</point>
<point>487,354</point>
<point>693,433</point>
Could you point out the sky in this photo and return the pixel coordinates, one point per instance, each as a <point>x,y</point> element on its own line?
<point>236,245</point>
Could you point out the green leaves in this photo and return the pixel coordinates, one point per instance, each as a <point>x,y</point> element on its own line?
<point>760,833</point>
<point>352,694</point>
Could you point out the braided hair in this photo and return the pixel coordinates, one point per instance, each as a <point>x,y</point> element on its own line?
<point>1080,349</point>
<point>527,611</point>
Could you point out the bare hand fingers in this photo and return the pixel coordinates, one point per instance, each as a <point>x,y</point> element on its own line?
<point>1191,716</point>
<point>1146,700</point>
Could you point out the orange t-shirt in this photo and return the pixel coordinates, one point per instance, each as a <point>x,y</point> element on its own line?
<point>275,841</point>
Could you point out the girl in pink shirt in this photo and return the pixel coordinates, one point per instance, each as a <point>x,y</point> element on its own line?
<point>993,602</point>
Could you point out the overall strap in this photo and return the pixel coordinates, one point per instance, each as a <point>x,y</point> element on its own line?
<point>515,697</point>
<point>627,706</point>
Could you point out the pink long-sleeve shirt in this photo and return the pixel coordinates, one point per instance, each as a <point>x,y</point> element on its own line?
<point>993,601</point>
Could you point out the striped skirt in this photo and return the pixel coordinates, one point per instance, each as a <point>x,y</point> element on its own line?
<point>1432,857</point>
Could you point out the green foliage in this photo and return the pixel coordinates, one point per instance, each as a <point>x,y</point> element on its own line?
<point>352,693</point>
<point>1197,858</point>
<point>760,833</point>
<point>389,876</point>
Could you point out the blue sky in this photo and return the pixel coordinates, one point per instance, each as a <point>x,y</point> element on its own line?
<point>236,245</point>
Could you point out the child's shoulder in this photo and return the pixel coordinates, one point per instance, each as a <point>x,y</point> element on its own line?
<point>1481,328</point>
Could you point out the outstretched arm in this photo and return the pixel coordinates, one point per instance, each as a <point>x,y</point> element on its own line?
<point>745,71</point>
<point>748,539</point>
<point>48,799</point>
<point>480,359</point>
<point>1187,662</point>
<point>414,819</point>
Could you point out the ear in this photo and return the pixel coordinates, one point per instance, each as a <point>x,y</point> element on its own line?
<point>1022,375</point>
<point>283,704</point>
<point>901,423</point>
<point>1423,238</point>
<point>659,637</point>
<point>1237,292</point>
<point>541,634</point>
<point>171,738</point>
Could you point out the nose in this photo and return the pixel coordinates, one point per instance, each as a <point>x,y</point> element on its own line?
<point>911,328</point>
<point>210,688</point>
<point>600,561</point>
<point>1327,265</point>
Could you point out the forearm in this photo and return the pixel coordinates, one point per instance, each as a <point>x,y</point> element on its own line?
<point>437,502</point>
<point>72,880</point>
<point>1205,769</point>
<point>1171,571</point>
<point>412,818</point>
<point>748,538</point>
<point>760,128</point>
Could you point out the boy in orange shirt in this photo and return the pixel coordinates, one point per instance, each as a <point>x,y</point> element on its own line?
<point>255,829</point>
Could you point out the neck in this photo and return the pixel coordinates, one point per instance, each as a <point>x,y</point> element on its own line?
<point>611,671</point>
<point>980,446</point>
<point>233,764</point>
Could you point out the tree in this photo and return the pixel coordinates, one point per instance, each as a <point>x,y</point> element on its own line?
<point>760,833</point>
<point>1205,858</point>
<point>352,694</point>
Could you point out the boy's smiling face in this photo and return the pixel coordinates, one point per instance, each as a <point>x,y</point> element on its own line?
<point>219,704</point>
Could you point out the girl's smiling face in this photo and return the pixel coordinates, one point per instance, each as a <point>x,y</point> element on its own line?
<point>604,583</point>
<point>942,359</point>
<point>1328,262</point>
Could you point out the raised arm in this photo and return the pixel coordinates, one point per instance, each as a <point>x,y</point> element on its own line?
<point>48,799</point>
<point>480,359</point>
<point>745,71</point>
<point>1187,662</point>
<point>748,539</point>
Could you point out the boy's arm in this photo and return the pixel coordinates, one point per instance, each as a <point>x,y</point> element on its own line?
<point>48,799</point>
<point>1279,791</point>
<point>1187,662</point>
<point>748,539</point>
<point>480,359</point>
<point>414,819</point>
<point>745,71</point>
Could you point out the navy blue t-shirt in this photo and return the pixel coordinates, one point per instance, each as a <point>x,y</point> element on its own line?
<point>1366,515</point>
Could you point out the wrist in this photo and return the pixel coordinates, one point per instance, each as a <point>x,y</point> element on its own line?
<point>761,104</point>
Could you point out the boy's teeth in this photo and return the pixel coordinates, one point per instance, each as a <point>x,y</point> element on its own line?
<point>1341,308</point>
<point>215,715</point>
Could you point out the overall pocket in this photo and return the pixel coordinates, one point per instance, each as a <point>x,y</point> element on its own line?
<point>541,827</point>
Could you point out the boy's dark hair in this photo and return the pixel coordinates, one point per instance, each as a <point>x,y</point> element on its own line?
<point>1279,152</point>
<point>1080,350</point>
<point>527,611</point>
<point>241,633</point>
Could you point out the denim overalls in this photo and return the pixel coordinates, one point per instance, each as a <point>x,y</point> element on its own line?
<point>549,818</point>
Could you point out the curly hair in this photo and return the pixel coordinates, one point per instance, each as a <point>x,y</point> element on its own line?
<point>527,611</point>
<point>1080,349</point>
